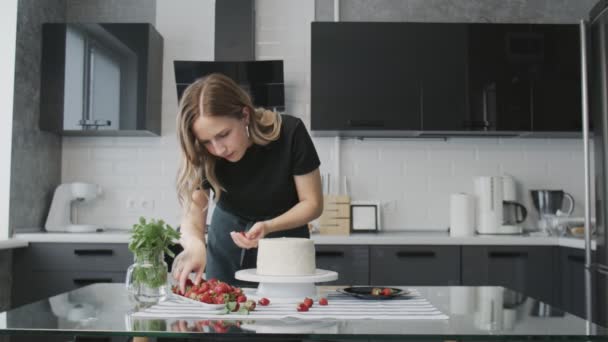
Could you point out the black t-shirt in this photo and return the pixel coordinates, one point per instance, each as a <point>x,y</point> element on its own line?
<point>261,185</point>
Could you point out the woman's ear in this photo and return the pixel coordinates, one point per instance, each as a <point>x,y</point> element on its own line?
<point>246,115</point>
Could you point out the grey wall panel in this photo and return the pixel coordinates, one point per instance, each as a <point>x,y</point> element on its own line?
<point>115,11</point>
<point>324,10</point>
<point>36,155</point>
<point>234,30</point>
<point>531,11</point>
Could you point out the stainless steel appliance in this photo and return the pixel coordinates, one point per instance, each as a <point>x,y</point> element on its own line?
<point>550,207</point>
<point>594,67</point>
<point>548,202</point>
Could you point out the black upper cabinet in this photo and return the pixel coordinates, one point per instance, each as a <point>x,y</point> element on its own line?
<point>366,76</point>
<point>443,62</point>
<point>449,78</point>
<point>557,89</point>
<point>499,82</point>
<point>101,79</point>
<point>524,77</point>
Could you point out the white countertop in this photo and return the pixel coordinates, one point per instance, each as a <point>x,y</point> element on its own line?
<point>383,238</point>
<point>12,243</point>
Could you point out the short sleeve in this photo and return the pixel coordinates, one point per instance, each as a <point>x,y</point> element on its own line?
<point>304,154</point>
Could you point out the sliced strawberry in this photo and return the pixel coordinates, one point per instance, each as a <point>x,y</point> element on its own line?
<point>387,292</point>
<point>322,301</point>
<point>308,302</point>
<point>376,291</point>
<point>264,301</point>
<point>241,299</point>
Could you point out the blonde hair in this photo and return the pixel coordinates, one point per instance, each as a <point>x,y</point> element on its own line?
<point>216,95</point>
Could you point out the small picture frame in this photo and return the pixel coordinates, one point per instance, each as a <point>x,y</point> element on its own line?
<point>364,218</point>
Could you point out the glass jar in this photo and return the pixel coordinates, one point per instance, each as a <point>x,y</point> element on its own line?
<point>147,278</point>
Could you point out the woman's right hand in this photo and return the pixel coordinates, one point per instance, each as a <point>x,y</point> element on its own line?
<point>192,259</point>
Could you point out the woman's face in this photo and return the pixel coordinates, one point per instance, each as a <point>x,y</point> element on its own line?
<point>224,137</point>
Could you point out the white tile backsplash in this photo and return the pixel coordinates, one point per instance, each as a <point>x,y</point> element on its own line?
<point>412,178</point>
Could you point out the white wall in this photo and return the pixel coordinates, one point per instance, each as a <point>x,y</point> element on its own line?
<point>413,177</point>
<point>8,39</point>
<point>142,170</point>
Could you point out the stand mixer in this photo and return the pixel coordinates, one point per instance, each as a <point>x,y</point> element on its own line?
<point>60,214</point>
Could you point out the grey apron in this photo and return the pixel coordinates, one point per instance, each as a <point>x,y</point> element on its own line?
<point>224,257</point>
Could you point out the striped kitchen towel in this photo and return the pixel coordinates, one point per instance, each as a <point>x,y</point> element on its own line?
<point>340,306</point>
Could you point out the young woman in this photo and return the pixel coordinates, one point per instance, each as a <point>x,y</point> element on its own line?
<point>263,170</point>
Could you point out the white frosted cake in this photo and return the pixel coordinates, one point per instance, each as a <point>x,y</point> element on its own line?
<point>286,257</point>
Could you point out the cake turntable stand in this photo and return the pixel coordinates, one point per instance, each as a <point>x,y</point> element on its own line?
<point>286,288</point>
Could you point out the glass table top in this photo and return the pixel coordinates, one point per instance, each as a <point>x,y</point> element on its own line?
<point>488,313</point>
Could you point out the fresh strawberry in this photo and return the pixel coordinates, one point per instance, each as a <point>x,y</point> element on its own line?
<point>206,298</point>
<point>322,301</point>
<point>189,282</point>
<point>241,299</point>
<point>221,288</point>
<point>302,307</point>
<point>308,302</point>
<point>264,301</point>
<point>387,292</point>
<point>204,287</point>
<point>219,300</point>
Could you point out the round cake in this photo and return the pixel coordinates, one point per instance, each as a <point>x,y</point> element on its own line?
<point>286,257</point>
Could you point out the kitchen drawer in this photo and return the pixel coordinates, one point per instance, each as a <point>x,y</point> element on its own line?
<point>351,263</point>
<point>526,269</point>
<point>415,265</point>
<point>78,257</point>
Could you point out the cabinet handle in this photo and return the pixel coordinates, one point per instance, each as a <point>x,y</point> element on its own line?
<point>577,258</point>
<point>93,252</point>
<point>89,281</point>
<point>415,254</point>
<point>505,255</point>
<point>365,123</point>
<point>330,254</point>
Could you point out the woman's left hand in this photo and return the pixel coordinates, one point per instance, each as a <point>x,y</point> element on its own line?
<point>250,238</point>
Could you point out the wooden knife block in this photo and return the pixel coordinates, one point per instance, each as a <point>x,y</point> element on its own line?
<point>335,219</point>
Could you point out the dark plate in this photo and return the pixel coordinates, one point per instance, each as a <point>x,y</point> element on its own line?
<point>365,292</point>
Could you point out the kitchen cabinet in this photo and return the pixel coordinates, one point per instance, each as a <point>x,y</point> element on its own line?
<point>572,276</point>
<point>524,77</point>
<point>47,269</point>
<point>366,76</point>
<point>351,263</point>
<point>556,104</point>
<point>420,79</point>
<point>101,79</point>
<point>526,269</point>
<point>444,92</point>
<point>414,265</point>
